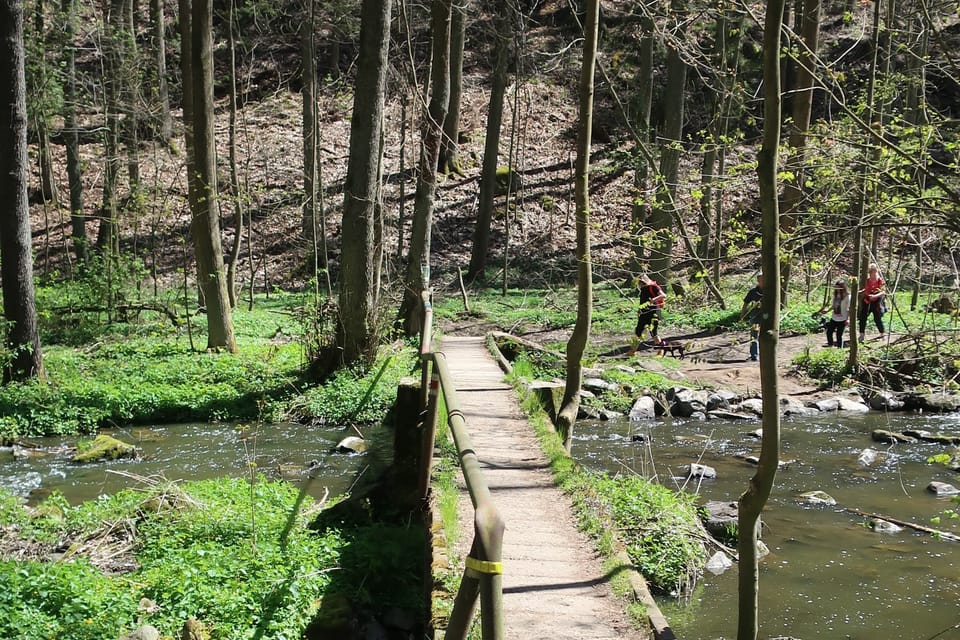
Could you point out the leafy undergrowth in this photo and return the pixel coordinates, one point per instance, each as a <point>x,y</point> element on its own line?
<point>236,554</point>
<point>148,370</point>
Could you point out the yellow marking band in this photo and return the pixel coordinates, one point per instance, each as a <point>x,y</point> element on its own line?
<point>483,566</point>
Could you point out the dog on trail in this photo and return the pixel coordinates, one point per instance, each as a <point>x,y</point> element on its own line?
<point>674,348</point>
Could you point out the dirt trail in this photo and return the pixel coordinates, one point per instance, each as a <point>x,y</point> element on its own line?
<point>722,361</point>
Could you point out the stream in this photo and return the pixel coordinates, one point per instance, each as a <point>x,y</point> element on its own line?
<point>185,452</point>
<point>828,575</point>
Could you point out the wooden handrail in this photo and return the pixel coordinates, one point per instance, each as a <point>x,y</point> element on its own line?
<point>483,576</point>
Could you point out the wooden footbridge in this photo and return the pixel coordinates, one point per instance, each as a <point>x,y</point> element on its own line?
<point>546,580</point>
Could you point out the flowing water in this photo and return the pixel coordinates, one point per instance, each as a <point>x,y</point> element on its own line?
<point>828,575</point>
<point>184,452</point>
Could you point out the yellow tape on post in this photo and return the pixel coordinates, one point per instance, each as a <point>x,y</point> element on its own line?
<point>483,566</point>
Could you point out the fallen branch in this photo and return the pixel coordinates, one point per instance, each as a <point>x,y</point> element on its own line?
<point>943,535</point>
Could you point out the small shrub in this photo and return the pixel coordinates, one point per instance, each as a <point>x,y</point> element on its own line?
<point>829,366</point>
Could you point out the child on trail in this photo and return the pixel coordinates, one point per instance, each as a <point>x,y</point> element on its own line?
<point>751,312</point>
<point>652,298</point>
<point>872,301</point>
<point>840,316</point>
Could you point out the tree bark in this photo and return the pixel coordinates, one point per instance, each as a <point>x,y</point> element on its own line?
<point>107,235</point>
<point>491,147</point>
<point>78,226</point>
<point>234,172</point>
<point>663,212</point>
<point>755,497</point>
<point>449,161</point>
<point>160,57</point>
<point>308,65</point>
<point>640,210</point>
<point>802,106</point>
<point>16,252</point>
<point>205,226</point>
<point>356,335</point>
<point>418,259</point>
<point>581,330</point>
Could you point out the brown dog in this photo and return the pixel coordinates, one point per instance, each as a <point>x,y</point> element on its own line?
<point>672,347</point>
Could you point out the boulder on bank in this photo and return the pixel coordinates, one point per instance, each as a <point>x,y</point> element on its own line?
<point>721,519</point>
<point>351,444</point>
<point>941,489</point>
<point>817,497</point>
<point>890,437</point>
<point>939,402</point>
<point>644,408</point>
<point>105,447</point>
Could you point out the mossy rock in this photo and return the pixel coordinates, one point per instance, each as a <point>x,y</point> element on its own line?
<point>105,447</point>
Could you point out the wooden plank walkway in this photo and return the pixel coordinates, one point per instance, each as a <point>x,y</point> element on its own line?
<point>554,587</point>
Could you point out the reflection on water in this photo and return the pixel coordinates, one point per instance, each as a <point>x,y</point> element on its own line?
<point>184,452</point>
<point>828,574</point>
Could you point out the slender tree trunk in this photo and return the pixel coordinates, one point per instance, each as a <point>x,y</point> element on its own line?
<point>802,106</point>
<point>581,330</point>
<point>160,57</point>
<point>131,94</point>
<point>206,223</point>
<point>755,497</point>
<point>449,161</point>
<point>491,147</point>
<point>16,252</point>
<point>864,198</point>
<point>418,259</point>
<point>664,209</point>
<point>39,117</point>
<point>108,234</point>
<point>78,227</point>
<point>356,335</point>
<point>237,199</point>
<point>309,98</point>
<point>640,211</point>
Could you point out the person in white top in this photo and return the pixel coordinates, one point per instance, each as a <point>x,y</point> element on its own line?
<point>840,316</point>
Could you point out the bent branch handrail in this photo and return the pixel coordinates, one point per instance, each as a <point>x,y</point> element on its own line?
<point>483,575</point>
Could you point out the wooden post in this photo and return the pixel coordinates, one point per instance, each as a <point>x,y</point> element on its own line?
<point>406,440</point>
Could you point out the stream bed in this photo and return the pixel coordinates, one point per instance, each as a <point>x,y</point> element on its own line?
<point>828,574</point>
<point>184,452</point>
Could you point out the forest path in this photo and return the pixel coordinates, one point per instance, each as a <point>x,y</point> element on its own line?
<point>553,584</point>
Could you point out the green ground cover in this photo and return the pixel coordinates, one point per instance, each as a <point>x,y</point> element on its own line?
<point>237,554</point>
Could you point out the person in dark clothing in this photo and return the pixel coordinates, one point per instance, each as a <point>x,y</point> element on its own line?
<point>750,311</point>
<point>652,298</point>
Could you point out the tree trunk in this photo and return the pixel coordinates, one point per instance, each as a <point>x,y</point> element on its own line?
<point>160,58</point>
<point>491,147</point>
<point>131,93</point>
<point>581,330</point>
<point>39,117</point>
<point>205,226</point>
<point>234,175</point>
<point>640,210</point>
<point>755,497</point>
<point>309,98</point>
<point>107,236</point>
<point>356,334</point>
<point>860,212</point>
<point>449,161</point>
<point>418,259</point>
<point>664,209</point>
<point>802,105</point>
<point>16,250</point>
<point>78,227</point>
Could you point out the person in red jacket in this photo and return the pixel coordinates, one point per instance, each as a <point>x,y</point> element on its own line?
<point>872,301</point>
<point>652,298</point>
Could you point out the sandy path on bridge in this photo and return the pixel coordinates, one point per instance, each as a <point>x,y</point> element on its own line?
<point>553,583</point>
